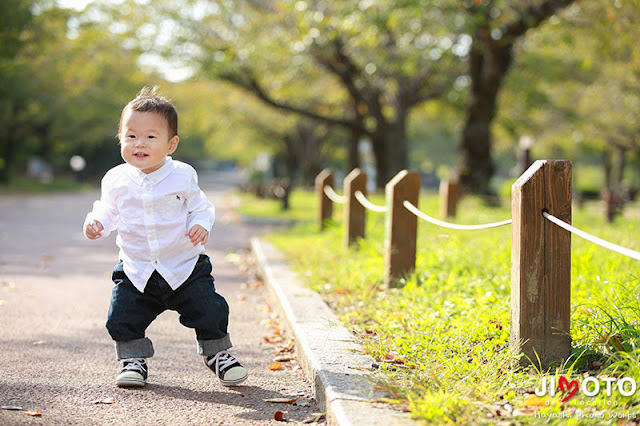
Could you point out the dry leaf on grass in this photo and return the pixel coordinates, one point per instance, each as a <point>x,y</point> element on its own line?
<point>536,401</point>
<point>615,340</point>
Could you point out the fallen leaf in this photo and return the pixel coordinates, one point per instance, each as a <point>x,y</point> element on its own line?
<point>392,358</point>
<point>315,418</point>
<point>303,403</point>
<point>104,401</point>
<point>269,322</point>
<point>288,347</point>
<point>282,400</point>
<point>526,411</point>
<point>275,366</point>
<point>615,340</point>
<point>585,310</point>
<point>536,401</point>
<point>273,339</point>
<point>284,358</point>
<point>33,413</point>
<point>279,416</point>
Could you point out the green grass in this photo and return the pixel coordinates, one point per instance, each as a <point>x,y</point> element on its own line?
<point>448,325</point>
<point>270,209</point>
<point>23,185</point>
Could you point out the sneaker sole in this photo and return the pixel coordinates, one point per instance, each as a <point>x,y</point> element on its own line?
<point>234,382</point>
<point>130,383</point>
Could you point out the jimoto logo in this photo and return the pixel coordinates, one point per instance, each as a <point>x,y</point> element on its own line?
<point>590,386</point>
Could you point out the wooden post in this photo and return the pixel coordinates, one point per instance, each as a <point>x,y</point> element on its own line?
<point>325,210</point>
<point>541,263</point>
<point>401,227</point>
<point>354,212</point>
<point>448,198</point>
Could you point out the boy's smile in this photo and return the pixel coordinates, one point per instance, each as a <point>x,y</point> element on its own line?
<point>145,141</point>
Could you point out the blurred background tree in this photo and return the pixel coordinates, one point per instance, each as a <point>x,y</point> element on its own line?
<point>446,87</point>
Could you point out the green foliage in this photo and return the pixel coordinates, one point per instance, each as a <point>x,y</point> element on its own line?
<point>447,326</point>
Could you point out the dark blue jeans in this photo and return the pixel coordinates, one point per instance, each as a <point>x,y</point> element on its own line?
<point>196,301</point>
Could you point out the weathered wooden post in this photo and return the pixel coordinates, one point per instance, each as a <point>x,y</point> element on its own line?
<point>354,212</point>
<point>401,226</point>
<point>325,210</point>
<point>448,198</point>
<point>541,263</point>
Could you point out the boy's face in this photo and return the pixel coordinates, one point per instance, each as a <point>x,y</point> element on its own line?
<point>144,140</point>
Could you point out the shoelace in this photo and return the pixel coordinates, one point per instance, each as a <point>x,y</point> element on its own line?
<point>138,364</point>
<point>222,360</point>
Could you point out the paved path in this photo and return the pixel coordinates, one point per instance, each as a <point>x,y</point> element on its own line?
<point>57,358</point>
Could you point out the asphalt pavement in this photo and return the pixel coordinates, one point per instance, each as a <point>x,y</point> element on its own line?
<point>57,364</point>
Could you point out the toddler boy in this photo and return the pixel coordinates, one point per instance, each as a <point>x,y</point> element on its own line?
<point>163,220</point>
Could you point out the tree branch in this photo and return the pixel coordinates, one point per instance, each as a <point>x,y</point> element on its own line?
<point>533,16</point>
<point>246,80</point>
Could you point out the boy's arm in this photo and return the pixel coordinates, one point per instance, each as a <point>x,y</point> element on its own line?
<point>201,211</point>
<point>104,212</point>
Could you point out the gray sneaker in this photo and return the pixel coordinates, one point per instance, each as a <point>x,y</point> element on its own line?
<point>133,373</point>
<point>227,368</point>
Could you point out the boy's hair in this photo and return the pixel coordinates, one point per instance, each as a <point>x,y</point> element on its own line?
<point>148,100</point>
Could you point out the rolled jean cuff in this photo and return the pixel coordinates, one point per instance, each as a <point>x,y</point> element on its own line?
<point>212,347</point>
<point>137,348</point>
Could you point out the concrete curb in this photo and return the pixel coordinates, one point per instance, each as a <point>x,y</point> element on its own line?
<point>327,352</point>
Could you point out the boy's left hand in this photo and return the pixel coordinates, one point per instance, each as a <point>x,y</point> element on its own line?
<point>198,235</point>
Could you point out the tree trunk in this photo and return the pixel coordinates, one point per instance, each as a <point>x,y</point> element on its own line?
<point>10,144</point>
<point>354,156</point>
<point>8,151</point>
<point>391,149</point>
<point>612,193</point>
<point>489,63</point>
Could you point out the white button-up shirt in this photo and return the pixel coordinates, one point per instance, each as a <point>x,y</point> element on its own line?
<point>152,213</point>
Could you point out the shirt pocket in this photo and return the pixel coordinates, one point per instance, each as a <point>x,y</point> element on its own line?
<point>170,206</point>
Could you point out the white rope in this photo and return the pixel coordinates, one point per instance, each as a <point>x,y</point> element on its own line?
<point>413,209</point>
<point>606,244</point>
<point>368,204</point>
<point>333,196</point>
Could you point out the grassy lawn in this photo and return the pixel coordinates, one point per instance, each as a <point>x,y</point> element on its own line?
<point>442,339</point>
<point>23,185</point>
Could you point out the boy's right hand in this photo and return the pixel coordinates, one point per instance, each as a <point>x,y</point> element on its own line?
<point>93,229</point>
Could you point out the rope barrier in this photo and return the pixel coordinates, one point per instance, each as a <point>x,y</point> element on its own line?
<point>413,209</point>
<point>599,241</point>
<point>368,204</point>
<point>333,196</point>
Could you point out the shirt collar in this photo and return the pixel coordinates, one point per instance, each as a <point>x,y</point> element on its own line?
<point>154,177</point>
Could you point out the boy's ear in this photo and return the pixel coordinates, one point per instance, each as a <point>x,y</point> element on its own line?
<point>173,144</point>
